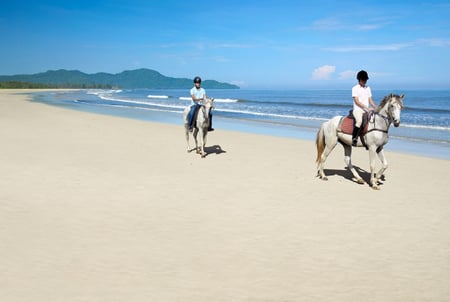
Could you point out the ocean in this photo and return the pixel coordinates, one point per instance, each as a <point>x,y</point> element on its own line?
<point>424,129</point>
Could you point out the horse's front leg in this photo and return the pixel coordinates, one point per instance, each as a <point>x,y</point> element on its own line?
<point>195,133</point>
<point>384,164</point>
<point>373,177</point>
<point>202,133</point>
<point>186,132</point>
<point>205,132</point>
<point>348,162</point>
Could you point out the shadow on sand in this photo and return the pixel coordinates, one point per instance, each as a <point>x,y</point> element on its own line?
<point>216,149</point>
<point>347,174</point>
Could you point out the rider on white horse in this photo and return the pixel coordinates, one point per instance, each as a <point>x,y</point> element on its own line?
<point>331,132</point>
<point>198,94</point>
<point>362,102</point>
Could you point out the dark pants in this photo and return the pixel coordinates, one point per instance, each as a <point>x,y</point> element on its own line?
<point>191,114</point>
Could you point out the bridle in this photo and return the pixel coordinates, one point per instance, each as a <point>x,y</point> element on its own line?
<point>386,118</point>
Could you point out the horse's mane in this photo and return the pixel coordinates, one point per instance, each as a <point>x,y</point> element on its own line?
<point>387,99</point>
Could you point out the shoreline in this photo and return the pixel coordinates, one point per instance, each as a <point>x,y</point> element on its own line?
<point>308,132</point>
<point>103,208</point>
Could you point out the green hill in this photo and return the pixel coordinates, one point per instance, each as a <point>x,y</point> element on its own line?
<point>139,78</point>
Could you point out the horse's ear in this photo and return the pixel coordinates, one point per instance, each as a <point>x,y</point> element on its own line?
<point>402,96</point>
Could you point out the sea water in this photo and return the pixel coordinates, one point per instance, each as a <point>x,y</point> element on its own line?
<point>424,129</point>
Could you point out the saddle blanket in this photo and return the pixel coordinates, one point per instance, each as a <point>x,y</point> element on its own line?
<point>347,122</point>
<point>346,125</point>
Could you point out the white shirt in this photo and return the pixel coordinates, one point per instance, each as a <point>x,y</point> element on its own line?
<point>198,93</point>
<point>363,94</point>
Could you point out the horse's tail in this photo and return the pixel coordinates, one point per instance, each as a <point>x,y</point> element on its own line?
<point>320,143</point>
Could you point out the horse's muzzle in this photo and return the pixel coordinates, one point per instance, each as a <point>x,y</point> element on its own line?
<point>396,123</point>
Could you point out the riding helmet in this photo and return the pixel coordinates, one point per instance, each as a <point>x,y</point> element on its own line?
<point>362,76</point>
<point>197,80</point>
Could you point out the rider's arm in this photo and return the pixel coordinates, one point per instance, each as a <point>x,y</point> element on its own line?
<point>372,103</point>
<point>359,104</point>
<point>195,99</point>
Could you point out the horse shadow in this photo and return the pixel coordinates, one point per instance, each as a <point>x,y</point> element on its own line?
<point>216,149</point>
<point>347,174</point>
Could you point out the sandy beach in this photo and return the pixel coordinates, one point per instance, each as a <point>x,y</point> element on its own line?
<point>102,208</point>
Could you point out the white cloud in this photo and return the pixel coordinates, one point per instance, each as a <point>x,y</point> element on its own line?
<point>323,72</point>
<point>387,47</point>
<point>239,83</point>
<point>392,47</point>
<point>327,24</point>
<point>231,45</point>
<point>334,24</point>
<point>347,74</point>
<point>220,59</point>
<point>434,42</point>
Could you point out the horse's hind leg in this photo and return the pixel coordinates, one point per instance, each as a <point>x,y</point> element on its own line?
<point>348,162</point>
<point>328,148</point>
<point>186,130</point>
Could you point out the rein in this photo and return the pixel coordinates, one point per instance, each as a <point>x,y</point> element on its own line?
<point>387,120</point>
<point>205,111</point>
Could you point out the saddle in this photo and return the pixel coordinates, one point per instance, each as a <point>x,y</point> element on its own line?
<point>347,124</point>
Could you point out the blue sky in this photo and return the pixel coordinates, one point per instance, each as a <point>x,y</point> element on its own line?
<point>254,44</point>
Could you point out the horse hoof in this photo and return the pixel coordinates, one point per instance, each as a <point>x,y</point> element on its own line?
<point>323,177</point>
<point>360,181</point>
<point>376,187</point>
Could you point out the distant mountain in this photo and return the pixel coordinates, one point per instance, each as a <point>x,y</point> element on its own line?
<point>139,78</point>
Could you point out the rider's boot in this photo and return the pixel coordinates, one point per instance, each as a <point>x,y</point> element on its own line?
<point>210,128</point>
<point>355,136</point>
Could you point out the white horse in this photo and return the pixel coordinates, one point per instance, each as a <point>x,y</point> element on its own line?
<point>375,138</point>
<point>201,125</point>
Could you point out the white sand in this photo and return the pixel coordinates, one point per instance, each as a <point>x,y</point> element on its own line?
<point>100,208</point>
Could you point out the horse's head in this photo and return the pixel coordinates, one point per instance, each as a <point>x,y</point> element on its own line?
<point>395,108</point>
<point>208,102</point>
<point>392,105</point>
